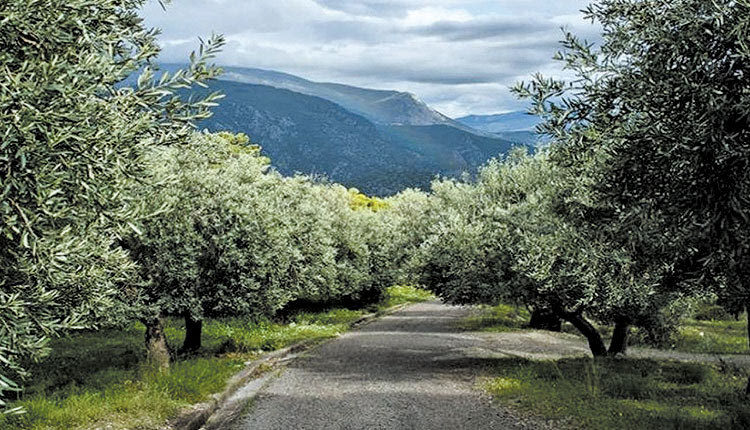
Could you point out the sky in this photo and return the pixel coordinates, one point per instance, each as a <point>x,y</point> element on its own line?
<point>459,56</point>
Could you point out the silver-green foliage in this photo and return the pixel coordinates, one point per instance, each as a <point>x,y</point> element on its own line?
<point>662,108</point>
<point>645,192</point>
<point>405,224</point>
<point>71,141</point>
<point>231,237</point>
<point>217,242</point>
<point>507,237</point>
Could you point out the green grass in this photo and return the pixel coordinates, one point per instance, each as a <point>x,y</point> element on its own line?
<point>404,294</point>
<point>713,337</point>
<point>613,394</point>
<point>498,318</point>
<point>247,337</point>
<point>724,335</point>
<point>100,379</point>
<point>639,394</point>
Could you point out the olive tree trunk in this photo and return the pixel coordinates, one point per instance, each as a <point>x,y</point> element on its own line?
<point>619,342</point>
<point>596,344</point>
<point>157,349</point>
<point>545,319</point>
<point>193,330</point>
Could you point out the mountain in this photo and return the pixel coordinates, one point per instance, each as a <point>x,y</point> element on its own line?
<point>313,135</point>
<point>503,122</point>
<point>379,106</point>
<point>378,141</point>
<point>516,126</point>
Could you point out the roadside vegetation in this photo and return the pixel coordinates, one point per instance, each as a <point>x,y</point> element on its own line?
<point>643,393</point>
<point>586,393</point>
<point>101,379</point>
<point>723,334</point>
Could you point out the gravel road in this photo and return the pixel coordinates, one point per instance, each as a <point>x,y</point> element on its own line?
<point>409,370</point>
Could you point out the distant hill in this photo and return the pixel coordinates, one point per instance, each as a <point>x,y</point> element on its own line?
<point>379,106</point>
<point>309,134</point>
<point>516,127</point>
<point>503,122</point>
<point>378,141</point>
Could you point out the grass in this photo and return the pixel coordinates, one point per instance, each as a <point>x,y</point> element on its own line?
<point>639,394</point>
<point>721,335</point>
<point>498,318</point>
<point>630,393</point>
<point>404,294</point>
<point>238,335</point>
<point>100,379</point>
<point>713,337</point>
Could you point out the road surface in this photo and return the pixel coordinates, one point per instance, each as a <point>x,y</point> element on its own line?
<point>409,370</point>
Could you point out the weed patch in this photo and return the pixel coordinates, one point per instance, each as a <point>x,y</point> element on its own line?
<point>405,294</point>
<point>642,394</point>
<point>497,318</point>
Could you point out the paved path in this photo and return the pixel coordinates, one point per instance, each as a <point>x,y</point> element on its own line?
<point>409,370</point>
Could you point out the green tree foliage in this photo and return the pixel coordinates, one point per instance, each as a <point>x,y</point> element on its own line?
<point>230,237</point>
<point>507,237</point>
<point>658,119</point>
<point>72,141</point>
<point>405,225</point>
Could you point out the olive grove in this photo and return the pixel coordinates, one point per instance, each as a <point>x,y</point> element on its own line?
<point>72,142</point>
<point>639,201</point>
<point>113,208</point>
<point>657,124</point>
<point>229,237</point>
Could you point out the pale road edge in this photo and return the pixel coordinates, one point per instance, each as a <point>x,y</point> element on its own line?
<point>224,407</point>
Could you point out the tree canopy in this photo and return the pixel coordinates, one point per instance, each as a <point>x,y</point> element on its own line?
<point>72,142</point>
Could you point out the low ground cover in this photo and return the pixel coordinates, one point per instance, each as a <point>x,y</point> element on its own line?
<point>630,393</point>
<point>499,318</point>
<point>722,334</point>
<point>637,393</point>
<point>404,294</point>
<point>100,379</point>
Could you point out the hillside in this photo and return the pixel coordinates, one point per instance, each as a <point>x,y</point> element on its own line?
<point>379,106</point>
<point>510,121</point>
<point>308,134</point>
<point>517,127</point>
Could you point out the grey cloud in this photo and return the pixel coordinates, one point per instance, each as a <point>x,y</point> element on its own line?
<point>482,29</point>
<point>393,8</point>
<point>352,30</point>
<point>374,7</point>
<point>462,66</point>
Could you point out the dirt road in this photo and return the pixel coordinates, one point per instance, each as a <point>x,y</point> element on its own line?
<point>410,370</point>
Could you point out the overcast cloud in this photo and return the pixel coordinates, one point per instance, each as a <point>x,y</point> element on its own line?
<point>458,56</point>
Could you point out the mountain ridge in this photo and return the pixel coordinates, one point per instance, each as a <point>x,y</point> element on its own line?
<point>312,135</point>
<point>516,126</point>
<point>501,122</point>
<point>380,106</point>
<point>378,141</point>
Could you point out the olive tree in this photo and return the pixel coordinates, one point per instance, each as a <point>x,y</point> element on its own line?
<point>72,141</point>
<point>230,237</point>
<point>658,118</point>
<point>507,238</point>
<point>405,225</point>
<point>227,238</point>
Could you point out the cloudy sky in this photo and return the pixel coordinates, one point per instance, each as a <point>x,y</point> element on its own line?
<point>460,56</point>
